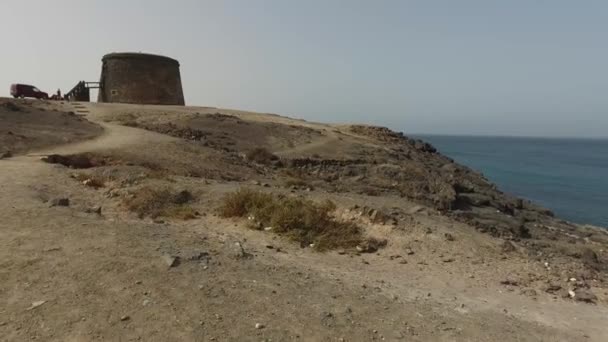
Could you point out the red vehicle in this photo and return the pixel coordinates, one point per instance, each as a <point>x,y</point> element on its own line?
<point>24,90</point>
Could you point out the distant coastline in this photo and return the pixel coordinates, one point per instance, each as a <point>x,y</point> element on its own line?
<point>566,175</point>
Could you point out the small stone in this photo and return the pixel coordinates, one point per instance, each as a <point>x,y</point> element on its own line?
<point>403,262</point>
<point>552,288</point>
<point>259,326</point>
<point>125,318</point>
<point>586,296</point>
<point>509,281</point>
<point>408,251</point>
<point>6,154</point>
<point>60,202</point>
<point>146,302</point>
<point>529,292</point>
<point>415,209</point>
<point>268,229</point>
<point>238,252</point>
<point>312,245</point>
<point>449,237</point>
<point>170,260</point>
<point>449,260</point>
<point>36,304</point>
<point>94,210</point>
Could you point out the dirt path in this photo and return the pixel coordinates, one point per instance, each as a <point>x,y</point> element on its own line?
<point>71,275</point>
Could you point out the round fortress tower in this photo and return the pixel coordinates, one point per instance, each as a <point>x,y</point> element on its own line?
<point>140,78</point>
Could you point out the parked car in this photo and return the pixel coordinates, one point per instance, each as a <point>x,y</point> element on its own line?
<point>24,90</point>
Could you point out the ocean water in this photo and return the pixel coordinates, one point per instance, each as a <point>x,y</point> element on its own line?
<point>568,176</point>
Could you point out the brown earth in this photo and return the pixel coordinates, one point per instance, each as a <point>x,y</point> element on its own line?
<point>462,261</point>
<point>27,125</point>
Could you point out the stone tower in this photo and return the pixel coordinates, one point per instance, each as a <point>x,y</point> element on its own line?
<point>141,79</point>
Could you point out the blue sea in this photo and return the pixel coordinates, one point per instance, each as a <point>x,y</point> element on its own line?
<point>568,176</point>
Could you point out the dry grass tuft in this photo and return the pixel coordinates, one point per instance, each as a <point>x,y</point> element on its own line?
<point>299,219</point>
<point>153,202</point>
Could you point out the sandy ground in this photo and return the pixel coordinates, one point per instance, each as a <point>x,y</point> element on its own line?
<point>70,274</point>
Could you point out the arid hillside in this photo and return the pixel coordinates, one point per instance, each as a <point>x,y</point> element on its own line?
<point>163,223</point>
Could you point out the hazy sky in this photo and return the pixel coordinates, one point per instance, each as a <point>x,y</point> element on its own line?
<point>511,67</point>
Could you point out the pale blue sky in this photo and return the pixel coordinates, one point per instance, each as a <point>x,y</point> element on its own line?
<point>512,67</point>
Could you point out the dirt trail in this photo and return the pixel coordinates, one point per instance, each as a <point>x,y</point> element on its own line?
<point>101,277</point>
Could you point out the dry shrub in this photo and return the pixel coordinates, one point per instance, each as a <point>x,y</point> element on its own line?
<point>154,202</point>
<point>261,155</point>
<point>301,220</point>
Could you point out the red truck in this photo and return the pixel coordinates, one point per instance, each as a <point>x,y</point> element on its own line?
<point>24,90</point>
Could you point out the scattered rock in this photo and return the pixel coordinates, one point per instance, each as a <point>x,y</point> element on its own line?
<point>170,260</point>
<point>238,251</point>
<point>195,256</point>
<point>60,202</point>
<point>36,304</point>
<point>6,154</point>
<point>446,260</point>
<point>449,237</point>
<point>93,210</point>
<point>529,292</point>
<point>509,281</point>
<point>125,318</point>
<point>584,295</point>
<point>259,326</point>
<point>552,288</point>
<point>371,245</point>
<point>415,209</point>
<point>409,251</point>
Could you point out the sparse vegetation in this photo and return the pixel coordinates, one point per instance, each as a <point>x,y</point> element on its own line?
<point>89,180</point>
<point>78,161</point>
<point>299,219</point>
<point>153,202</point>
<point>297,182</point>
<point>261,155</point>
